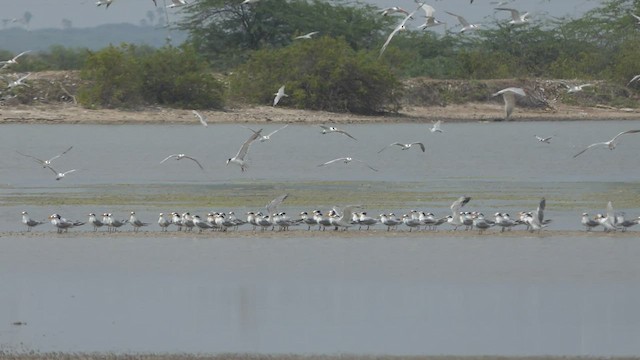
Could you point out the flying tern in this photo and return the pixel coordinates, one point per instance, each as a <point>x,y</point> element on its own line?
<point>60,175</point>
<point>19,82</point>
<point>517,18</point>
<point>393,10</point>
<point>430,21</point>
<point>404,146</point>
<point>437,127</point>
<point>610,144</point>
<point>400,27</point>
<point>203,119</point>
<point>46,163</point>
<point>177,3</point>
<point>13,60</point>
<point>267,137</point>
<point>279,95</point>
<point>104,2</point>
<point>244,149</point>
<point>466,26</point>
<point>509,96</point>
<point>333,129</point>
<point>180,157</point>
<point>306,36</point>
<point>576,88</point>
<point>546,140</point>
<point>633,79</point>
<point>347,160</point>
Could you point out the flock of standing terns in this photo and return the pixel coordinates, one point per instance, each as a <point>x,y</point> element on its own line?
<point>350,216</point>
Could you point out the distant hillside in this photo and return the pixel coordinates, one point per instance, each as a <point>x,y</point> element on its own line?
<point>19,39</point>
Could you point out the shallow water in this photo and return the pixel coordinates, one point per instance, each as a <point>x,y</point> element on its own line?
<point>496,294</point>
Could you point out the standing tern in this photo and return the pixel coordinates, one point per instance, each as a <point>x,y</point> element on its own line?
<point>509,96</point>
<point>455,219</point>
<point>347,160</point>
<point>404,146</point>
<point>333,129</point>
<point>516,17</point>
<point>28,222</point>
<point>182,156</point>
<point>163,222</point>
<point>47,162</point>
<point>279,95</point>
<point>589,223</point>
<point>244,149</point>
<point>267,137</point>
<point>466,26</point>
<point>95,222</point>
<point>135,222</point>
<point>546,140</point>
<point>536,220</point>
<point>610,144</point>
<point>203,119</point>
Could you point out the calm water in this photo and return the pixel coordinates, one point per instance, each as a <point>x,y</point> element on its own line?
<point>510,295</point>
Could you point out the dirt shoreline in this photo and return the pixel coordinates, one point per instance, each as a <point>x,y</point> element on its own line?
<point>75,114</point>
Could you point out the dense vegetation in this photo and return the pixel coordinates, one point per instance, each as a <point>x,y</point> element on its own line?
<point>339,69</point>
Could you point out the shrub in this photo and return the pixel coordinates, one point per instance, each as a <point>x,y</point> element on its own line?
<point>321,74</point>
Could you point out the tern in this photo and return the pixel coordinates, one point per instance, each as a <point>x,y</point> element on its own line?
<point>610,144</point>
<point>347,160</point>
<point>279,95</point>
<point>104,2</point>
<point>400,27</point>
<point>516,17</point>
<point>509,96</point>
<point>333,129</point>
<point>177,3</point>
<point>182,156</point>
<point>455,219</point>
<point>14,60</point>
<point>60,175</point>
<point>28,222</point>
<point>437,127</point>
<point>95,222</point>
<point>63,224</point>
<point>306,36</point>
<point>404,146</point>
<point>203,119</point>
<point>609,221</point>
<point>536,220</point>
<point>47,162</point>
<point>546,140</point>
<point>588,223</point>
<point>344,220</point>
<point>273,204</point>
<point>267,137</point>
<point>466,26</point>
<point>393,10</point>
<point>135,222</point>
<point>633,79</point>
<point>636,17</point>
<point>244,149</point>
<point>163,222</point>
<point>576,88</point>
<point>249,2</point>
<point>430,19</point>
<point>19,82</point>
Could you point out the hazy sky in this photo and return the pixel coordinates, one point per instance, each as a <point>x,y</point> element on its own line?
<point>84,13</point>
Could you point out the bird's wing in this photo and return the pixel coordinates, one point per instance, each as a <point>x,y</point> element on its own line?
<point>547,139</point>
<point>325,127</point>
<point>62,153</point>
<point>273,204</point>
<point>68,172</point>
<point>462,201</point>
<point>197,162</point>
<point>421,145</point>
<point>332,161</point>
<point>246,127</point>
<point>202,119</point>
<point>635,16</point>
<point>625,132</point>
<point>513,90</point>
<point>369,166</point>
<point>22,53</point>
<point>33,157</point>
<point>346,133</point>
<point>275,131</point>
<point>393,33</point>
<point>462,20</point>
<point>52,169</point>
<point>633,79</point>
<point>245,147</point>
<point>168,157</point>
<point>540,210</point>
<point>589,147</point>
<point>395,143</point>
<point>515,14</point>
<point>610,212</point>
<point>428,10</point>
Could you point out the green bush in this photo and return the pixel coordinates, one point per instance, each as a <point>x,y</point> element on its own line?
<point>320,74</point>
<point>128,76</point>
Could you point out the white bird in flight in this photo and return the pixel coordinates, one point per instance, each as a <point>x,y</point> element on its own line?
<point>404,146</point>
<point>509,96</point>
<point>14,60</point>
<point>576,88</point>
<point>267,137</point>
<point>279,95</point>
<point>393,10</point>
<point>306,36</point>
<point>177,3</point>
<point>244,149</point>
<point>180,157</point>
<point>203,119</point>
<point>104,2</point>
<point>546,140</point>
<point>249,2</point>
<point>347,160</point>
<point>633,79</point>
<point>430,21</point>
<point>400,27</point>
<point>47,162</point>
<point>60,175</point>
<point>437,127</point>
<point>610,144</point>
<point>516,17</point>
<point>19,82</point>
<point>333,129</point>
<point>466,26</point>
<point>636,17</point>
